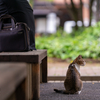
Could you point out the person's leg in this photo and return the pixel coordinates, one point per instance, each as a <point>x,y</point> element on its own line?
<point>3,8</point>
<point>22,12</point>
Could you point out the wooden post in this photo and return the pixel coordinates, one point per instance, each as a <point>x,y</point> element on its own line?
<point>29,82</point>
<point>40,72</point>
<point>36,81</point>
<point>20,92</point>
<point>44,70</point>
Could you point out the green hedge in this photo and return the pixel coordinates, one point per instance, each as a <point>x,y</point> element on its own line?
<point>85,42</point>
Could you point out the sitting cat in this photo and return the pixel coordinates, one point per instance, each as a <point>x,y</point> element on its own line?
<point>73,83</point>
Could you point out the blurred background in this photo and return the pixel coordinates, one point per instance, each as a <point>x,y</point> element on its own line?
<point>68,28</point>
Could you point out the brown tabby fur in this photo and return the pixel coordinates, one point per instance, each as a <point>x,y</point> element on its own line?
<point>73,83</point>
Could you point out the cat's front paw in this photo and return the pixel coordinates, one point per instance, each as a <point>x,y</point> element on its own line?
<point>79,92</point>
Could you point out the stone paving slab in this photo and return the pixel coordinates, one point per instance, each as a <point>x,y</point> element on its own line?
<point>60,69</point>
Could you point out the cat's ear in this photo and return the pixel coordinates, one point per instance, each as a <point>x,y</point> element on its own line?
<point>80,56</point>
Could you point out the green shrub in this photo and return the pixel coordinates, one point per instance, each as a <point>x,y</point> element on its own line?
<point>85,42</point>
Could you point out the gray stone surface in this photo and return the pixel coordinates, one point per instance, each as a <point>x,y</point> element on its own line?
<point>89,92</point>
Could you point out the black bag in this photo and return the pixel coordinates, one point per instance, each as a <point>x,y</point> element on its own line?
<point>13,36</point>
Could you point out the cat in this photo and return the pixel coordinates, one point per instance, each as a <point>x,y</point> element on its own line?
<point>73,84</point>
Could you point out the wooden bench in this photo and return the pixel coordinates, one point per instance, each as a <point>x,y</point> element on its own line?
<point>36,70</point>
<point>12,76</point>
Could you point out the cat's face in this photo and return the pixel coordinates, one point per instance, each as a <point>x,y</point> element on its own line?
<point>79,60</point>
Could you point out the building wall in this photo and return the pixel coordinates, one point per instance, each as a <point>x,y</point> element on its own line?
<point>85,6</point>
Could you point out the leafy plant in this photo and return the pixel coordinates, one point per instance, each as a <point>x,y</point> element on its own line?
<point>85,42</point>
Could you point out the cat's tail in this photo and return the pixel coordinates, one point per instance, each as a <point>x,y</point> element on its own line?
<point>60,91</point>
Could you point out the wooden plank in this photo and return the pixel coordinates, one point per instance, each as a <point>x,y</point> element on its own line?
<point>43,55</point>
<point>90,78</point>
<point>84,78</point>
<point>34,52</point>
<point>34,56</point>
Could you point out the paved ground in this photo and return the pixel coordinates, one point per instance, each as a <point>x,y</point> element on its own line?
<point>57,68</point>
<point>89,92</point>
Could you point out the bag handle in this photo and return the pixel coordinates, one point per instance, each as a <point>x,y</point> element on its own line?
<point>6,16</point>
